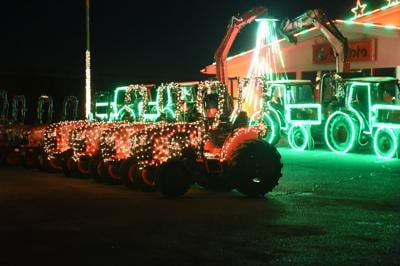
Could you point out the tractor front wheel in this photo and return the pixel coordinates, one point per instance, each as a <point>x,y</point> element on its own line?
<point>341,132</point>
<point>299,138</point>
<point>385,143</point>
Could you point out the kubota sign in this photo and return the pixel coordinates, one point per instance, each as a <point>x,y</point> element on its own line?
<point>363,50</point>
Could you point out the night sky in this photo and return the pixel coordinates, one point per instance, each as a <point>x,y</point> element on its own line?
<point>43,42</point>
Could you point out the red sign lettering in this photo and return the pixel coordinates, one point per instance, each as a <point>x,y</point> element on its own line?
<point>363,50</point>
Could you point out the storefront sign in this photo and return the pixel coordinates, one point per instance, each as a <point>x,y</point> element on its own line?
<point>363,50</point>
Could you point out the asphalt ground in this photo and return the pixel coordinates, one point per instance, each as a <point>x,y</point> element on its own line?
<point>328,209</point>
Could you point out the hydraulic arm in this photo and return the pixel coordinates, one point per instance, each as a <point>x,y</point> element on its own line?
<point>317,18</point>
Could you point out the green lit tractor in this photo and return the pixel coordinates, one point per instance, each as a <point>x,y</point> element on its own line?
<point>348,111</point>
<point>146,103</point>
<point>366,111</point>
<point>288,107</point>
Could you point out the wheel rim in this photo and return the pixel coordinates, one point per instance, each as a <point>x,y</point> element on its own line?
<point>298,137</point>
<point>385,143</point>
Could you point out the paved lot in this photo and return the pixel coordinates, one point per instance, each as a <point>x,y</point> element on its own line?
<point>328,209</point>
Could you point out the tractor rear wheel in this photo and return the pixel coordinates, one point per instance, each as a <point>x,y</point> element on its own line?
<point>83,166</point>
<point>255,168</point>
<point>69,166</point>
<point>129,172</point>
<point>14,158</point>
<point>146,179</point>
<point>173,178</point>
<point>113,176</point>
<point>94,166</point>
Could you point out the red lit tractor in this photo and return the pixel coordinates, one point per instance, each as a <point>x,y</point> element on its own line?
<point>168,156</point>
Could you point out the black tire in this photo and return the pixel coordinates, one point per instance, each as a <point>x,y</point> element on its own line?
<point>68,166</point>
<point>94,168</point>
<point>83,167</point>
<point>46,165</point>
<point>14,158</point>
<point>299,138</point>
<point>3,155</point>
<point>173,178</point>
<point>128,171</point>
<point>342,133</point>
<point>30,158</point>
<point>146,179</point>
<point>385,143</point>
<point>255,168</point>
<point>112,176</point>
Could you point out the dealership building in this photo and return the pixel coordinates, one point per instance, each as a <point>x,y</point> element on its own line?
<point>374,48</point>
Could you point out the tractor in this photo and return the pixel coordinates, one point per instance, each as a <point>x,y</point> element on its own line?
<point>171,156</point>
<point>288,107</point>
<point>149,102</point>
<point>366,111</point>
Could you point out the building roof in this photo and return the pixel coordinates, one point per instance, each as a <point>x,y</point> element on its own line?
<point>384,21</point>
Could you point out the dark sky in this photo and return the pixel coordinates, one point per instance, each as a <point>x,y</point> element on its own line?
<point>43,42</point>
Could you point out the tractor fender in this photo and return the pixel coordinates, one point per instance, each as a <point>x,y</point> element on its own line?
<point>237,137</point>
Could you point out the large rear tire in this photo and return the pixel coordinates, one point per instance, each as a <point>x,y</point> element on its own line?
<point>146,179</point>
<point>82,166</point>
<point>129,171</point>
<point>255,168</point>
<point>69,166</point>
<point>94,163</point>
<point>14,158</point>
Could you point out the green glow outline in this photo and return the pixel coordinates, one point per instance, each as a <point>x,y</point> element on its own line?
<point>300,106</point>
<point>273,133</point>
<point>290,136</point>
<point>146,116</point>
<point>115,114</point>
<point>357,112</point>
<point>394,145</point>
<point>254,121</point>
<point>118,115</point>
<point>101,115</point>
<point>377,107</point>
<point>353,138</point>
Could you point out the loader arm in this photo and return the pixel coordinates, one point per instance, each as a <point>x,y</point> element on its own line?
<point>318,19</point>
<point>237,23</point>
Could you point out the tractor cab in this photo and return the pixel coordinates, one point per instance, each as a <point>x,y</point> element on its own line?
<point>370,114</point>
<point>134,103</point>
<point>286,103</point>
<point>102,106</point>
<point>375,100</point>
